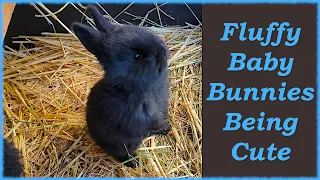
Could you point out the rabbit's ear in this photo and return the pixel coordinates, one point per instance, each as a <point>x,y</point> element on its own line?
<point>101,22</point>
<point>89,37</point>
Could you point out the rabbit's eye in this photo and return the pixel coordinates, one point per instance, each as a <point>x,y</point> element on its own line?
<point>137,56</point>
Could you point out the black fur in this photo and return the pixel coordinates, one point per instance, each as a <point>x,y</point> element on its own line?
<point>12,164</point>
<point>130,103</point>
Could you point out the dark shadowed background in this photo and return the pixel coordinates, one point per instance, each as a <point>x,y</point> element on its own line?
<point>24,22</point>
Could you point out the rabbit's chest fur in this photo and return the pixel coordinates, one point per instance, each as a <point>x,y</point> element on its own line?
<point>111,112</point>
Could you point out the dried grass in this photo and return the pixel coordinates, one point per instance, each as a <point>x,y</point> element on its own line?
<point>45,91</point>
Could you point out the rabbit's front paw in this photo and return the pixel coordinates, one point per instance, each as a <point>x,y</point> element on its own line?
<point>164,129</point>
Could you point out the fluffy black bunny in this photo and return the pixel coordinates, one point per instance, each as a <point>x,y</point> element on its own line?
<point>130,102</point>
<point>12,164</point>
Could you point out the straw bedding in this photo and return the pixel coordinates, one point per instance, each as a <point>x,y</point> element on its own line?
<point>45,92</point>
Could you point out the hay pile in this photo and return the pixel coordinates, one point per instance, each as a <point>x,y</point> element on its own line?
<point>45,93</point>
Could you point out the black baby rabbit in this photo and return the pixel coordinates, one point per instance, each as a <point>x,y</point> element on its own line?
<point>130,102</point>
<point>12,164</point>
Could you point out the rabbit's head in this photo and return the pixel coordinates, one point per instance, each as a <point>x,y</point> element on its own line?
<point>128,53</point>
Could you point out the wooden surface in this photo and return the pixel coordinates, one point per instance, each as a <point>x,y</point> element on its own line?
<point>7,10</point>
